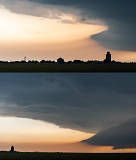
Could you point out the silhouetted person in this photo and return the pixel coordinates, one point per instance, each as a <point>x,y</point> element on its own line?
<point>12,149</point>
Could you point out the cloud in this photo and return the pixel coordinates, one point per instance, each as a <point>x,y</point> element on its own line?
<point>83,101</point>
<point>119,16</point>
<point>68,21</point>
<point>120,137</point>
<point>25,7</point>
<point>34,8</point>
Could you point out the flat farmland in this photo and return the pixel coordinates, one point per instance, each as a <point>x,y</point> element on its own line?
<point>26,67</point>
<point>65,156</point>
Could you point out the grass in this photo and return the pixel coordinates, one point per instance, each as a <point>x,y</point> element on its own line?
<point>66,156</point>
<point>26,67</point>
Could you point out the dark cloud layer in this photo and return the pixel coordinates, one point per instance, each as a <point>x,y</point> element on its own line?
<point>118,15</point>
<point>120,137</point>
<point>83,101</point>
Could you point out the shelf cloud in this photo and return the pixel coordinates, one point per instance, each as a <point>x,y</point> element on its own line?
<point>83,101</point>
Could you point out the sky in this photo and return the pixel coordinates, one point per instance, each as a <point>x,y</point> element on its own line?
<point>85,30</point>
<point>68,112</point>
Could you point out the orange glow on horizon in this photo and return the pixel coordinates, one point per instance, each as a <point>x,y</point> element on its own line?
<point>30,135</point>
<point>20,130</point>
<point>37,38</point>
<point>25,28</point>
<point>62,147</point>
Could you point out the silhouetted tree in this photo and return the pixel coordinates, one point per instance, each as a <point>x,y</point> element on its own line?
<point>42,61</point>
<point>78,61</point>
<point>69,62</point>
<point>60,61</point>
<point>23,61</point>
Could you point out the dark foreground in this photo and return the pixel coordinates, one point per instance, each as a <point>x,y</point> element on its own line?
<point>26,67</point>
<point>65,156</point>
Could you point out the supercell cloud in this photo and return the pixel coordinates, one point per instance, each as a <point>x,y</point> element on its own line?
<point>87,102</point>
<point>118,15</point>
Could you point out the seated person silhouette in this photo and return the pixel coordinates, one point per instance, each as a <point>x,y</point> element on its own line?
<point>12,149</point>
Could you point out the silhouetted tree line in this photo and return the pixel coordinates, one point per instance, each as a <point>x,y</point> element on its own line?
<point>30,61</point>
<point>62,61</point>
<point>59,61</point>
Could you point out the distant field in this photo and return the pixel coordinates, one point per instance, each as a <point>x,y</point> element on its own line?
<point>24,67</point>
<point>64,156</point>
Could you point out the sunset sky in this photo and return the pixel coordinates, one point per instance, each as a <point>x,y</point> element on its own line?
<point>49,29</point>
<point>54,112</point>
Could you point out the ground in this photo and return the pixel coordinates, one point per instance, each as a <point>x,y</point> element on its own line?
<point>26,67</point>
<point>65,156</point>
